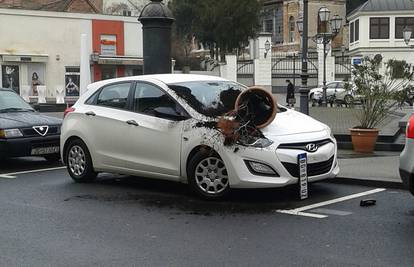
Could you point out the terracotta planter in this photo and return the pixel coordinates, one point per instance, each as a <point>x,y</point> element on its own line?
<point>364,140</point>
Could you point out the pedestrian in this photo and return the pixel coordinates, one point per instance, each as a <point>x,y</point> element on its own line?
<point>290,96</point>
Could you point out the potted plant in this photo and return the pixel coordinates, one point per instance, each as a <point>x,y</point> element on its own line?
<point>380,90</point>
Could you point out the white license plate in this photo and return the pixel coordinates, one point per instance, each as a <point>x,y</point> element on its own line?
<point>303,176</point>
<point>45,150</point>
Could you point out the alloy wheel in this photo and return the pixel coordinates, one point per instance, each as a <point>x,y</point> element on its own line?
<point>77,160</point>
<point>211,175</point>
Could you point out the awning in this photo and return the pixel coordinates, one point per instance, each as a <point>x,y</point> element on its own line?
<point>120,60</point>
<point>24,58</point>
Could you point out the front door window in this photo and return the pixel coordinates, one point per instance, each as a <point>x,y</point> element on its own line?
<point>108,73</point>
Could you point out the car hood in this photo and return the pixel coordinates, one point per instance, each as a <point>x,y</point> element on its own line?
<point>292,122</point>
<point>26,119</point>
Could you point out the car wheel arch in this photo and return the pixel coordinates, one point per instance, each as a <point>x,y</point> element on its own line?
<point>195,150</point>
<point>67,142</point>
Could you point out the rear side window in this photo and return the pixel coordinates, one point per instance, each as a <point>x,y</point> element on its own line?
<point>115,96</point>
<point>149,97</point>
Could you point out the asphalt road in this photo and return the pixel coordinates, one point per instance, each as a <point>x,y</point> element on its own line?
<point>48,220</point>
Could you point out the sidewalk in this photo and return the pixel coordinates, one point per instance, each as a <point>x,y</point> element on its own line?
<point>378,169</point>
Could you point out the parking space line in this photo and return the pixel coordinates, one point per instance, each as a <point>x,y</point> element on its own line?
<point>31,171</point>
<point>300,211</point>
<point>4,176</point>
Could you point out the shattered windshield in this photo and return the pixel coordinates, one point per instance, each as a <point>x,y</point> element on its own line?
<point>210,98</point>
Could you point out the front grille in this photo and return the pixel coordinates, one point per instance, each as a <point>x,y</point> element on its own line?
<point>30,132</point>
<point>313,169</point>
<point>302,146</point>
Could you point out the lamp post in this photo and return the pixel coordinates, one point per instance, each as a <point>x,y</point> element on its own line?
<point>302,25</point>
<point>325,38</point>
<point>267,48</point>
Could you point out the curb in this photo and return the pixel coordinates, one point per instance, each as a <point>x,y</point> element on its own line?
<point>366,182</point>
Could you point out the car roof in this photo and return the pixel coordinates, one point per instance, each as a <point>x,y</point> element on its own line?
<point>165,78</point>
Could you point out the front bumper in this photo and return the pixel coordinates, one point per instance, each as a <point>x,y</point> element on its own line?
<point>21,147</point>
<point>408,180</point>
<point>322,164</point>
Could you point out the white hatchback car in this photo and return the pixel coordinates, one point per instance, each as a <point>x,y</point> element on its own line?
<point>155,126</point>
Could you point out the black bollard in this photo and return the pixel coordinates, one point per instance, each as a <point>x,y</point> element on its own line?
<point>156,20</point>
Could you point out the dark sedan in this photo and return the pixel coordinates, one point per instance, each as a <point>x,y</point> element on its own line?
<point>25,132</point>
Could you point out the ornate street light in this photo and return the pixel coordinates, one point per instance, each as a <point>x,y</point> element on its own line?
<point>407,34</point>
<point>336,24</point>
<point>324,14</point>
<point>325,38</point>
<point>267,48</point>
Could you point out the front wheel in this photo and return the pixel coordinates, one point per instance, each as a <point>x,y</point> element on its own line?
<point>79,162</point>
<point>207,175</point>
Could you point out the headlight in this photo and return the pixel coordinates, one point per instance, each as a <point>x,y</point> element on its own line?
<point>10,133</point>
<point>260,168</point>
<point>329,131</point>
<point>261,143</point>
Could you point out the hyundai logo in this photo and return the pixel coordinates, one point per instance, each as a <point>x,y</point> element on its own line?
<point>311,147</point>
<point>41,130</point>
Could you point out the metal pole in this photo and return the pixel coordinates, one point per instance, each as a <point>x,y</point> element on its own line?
<point>324,101</point>
<point>294,70</point>
<point>304,90</point>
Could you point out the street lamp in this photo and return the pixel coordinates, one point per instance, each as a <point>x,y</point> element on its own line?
<point>267,48</point>
<point>407,34</point>
<point>325,38</point>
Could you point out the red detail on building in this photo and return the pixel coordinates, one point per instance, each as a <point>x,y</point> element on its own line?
<point>108,27</point>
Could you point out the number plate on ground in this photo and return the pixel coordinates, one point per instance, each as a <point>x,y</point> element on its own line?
<point>45,150</point>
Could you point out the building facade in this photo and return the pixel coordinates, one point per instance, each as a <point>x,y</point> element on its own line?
<point>279,18</point>
<point>377,28</point>
<point>76,6</point>
<point>42,48</point>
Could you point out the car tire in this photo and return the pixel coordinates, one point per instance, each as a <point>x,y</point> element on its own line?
<point>52,157</point>
<point>207,175</point>
<point>79,162</point>
<point>348,99</point>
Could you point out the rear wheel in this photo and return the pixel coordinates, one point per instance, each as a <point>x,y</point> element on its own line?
<point>79,162</point>
<point>207,175</point>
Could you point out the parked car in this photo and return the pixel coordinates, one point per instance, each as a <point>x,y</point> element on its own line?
<point>407,157</point>
<point>157,126</point>
<point>335,92</point>
<point>25,132</point>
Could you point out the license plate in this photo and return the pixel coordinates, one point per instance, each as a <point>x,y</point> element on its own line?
<point>45,150</point>
<point>303,176</point>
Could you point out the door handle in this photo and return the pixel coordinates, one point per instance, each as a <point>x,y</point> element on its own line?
<point>90,113</point>
<point>132,122</point>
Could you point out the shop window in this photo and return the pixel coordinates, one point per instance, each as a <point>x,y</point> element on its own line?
<point>10,77</point>
<point>379,28</point>
<point>108,44</point>
<point>36,77</point>
<point>72,80</point>
<point>400,24</point>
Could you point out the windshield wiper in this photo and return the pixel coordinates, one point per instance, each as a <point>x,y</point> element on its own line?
<point>5,110</point>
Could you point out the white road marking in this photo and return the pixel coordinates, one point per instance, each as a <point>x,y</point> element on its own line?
<point>299,211</point>
<point>7,176</point>
<point>32,171</point>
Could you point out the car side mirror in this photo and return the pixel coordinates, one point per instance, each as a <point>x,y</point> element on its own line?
<point>169,113</point>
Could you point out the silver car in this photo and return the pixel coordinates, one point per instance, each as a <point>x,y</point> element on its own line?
<point>407,157</point>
